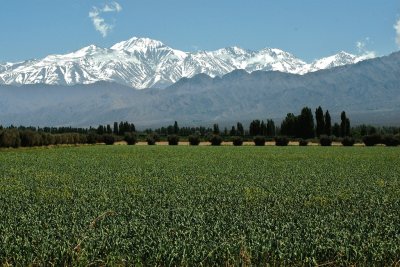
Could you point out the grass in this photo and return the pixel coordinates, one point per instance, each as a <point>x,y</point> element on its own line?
<point>162,205</point>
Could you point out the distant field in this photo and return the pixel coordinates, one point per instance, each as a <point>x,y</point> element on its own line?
<point>182,205</point>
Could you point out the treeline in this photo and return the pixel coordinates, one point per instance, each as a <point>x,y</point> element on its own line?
<point>36,136</point>
<point>302,127</point>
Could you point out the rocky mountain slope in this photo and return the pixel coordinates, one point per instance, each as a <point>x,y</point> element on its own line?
<point>145,63</point>
<point>368,91</point>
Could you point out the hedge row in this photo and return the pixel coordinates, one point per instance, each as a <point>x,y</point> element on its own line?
<point>27,138</point>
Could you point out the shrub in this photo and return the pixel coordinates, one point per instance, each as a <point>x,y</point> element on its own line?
<point>10,138</point>
<point>73,138</point>
<point>82,139</point>
<point>194,140</point>
<point>325,140</point>
<point>151,141</point>
<point>30,138</point>
<point>57,139</point>
<point>281,141</point>
<point>237,141</point>
<point>303,142</point>
<point>173,140</point>
<point>259,140</point>
<point>44,139</point>
<point>66,138</point>
<point>216,140</point>
<point>371,140</point>
<point>348,141</point>
<point>391,140</point>
<point>91,138</point>
<point>108,139</point>
<point>155,136</point>
<point>130,138</point>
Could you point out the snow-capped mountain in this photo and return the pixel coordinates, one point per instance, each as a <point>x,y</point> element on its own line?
<point>340,59</point>
<point>144,63</point>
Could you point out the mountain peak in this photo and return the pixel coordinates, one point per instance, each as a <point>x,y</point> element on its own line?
<point>344,53</point>
<point>88,49</point>
<point>339,59</point>
<point>144,63</point>
<point>137,44</point>
<point>236,50</point>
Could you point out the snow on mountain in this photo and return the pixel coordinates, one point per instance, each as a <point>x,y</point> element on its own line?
<point>340,59</point>
<point>144,63</point>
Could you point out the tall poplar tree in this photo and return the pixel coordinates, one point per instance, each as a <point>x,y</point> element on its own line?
<point>328,124</point>
<point>319,117</point>
<point>344,128</point>
<point>305,124</point>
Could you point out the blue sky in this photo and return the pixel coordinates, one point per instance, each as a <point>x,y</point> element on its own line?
<point>309,29</point>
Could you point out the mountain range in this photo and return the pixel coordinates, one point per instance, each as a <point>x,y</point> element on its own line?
<point>146,63</point>
<point>369,92</point>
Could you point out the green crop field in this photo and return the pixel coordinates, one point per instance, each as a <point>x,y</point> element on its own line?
<point>164,205</point>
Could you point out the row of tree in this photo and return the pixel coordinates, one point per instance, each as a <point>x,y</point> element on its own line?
<point>301,126</point>
<point>298,126</point>
<point>28,138</point>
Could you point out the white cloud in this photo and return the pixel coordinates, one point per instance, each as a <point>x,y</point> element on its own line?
<point>397,28</point>
<point>363,52</point>
<point>99,22</point>
<point>113,7</point>
<point>360,45</point>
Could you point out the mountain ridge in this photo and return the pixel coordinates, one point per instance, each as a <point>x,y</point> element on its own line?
<point>368,91</point>
<point>143,63</point>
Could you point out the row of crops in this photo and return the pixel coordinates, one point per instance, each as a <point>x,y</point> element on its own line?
<point>136,205</point>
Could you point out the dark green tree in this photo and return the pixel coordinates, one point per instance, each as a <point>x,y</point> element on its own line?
<point>328,124</point>
<point>108,131</point>
<point>319,117</point>
<point>91,138</point>
<point>348,133</point>
<point>281,141</point>
<point>363,130</point>
<point>289,125</point>
<point>216,140</point>
<point>130,138</point>
<point>100,129</point>
<point>325,140</point>
<point>116,129</point>
<point>233,131</point>
<point>30,138</point>
<point>343,124</point>
<point>237,141</point>
<point>255,128</point>
<point>176,127</point>
<point>170,129</point>
<point>215,128</point>
<point>194,140</point>
<point>271,130</point>
<point>10,138</point>
<point>108,139</point>
<point>263,128</point>
<point>259,140</point>
<point>173,140</point>
<point>336,129</point>
<point>240,129</point>
<point>305,124</point>
<point>122,128</point>
<point>132,128</point>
